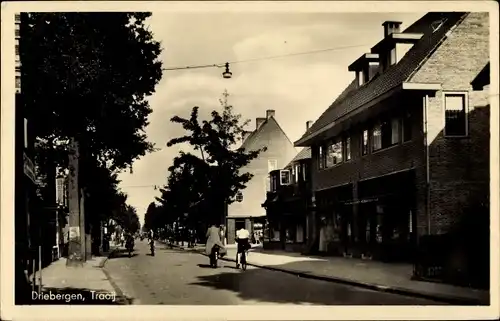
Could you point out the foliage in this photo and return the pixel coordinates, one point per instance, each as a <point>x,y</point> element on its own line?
<point>213,179</point>
<point>90,78</point>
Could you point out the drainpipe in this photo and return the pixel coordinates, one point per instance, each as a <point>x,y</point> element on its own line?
<point>427,171</point>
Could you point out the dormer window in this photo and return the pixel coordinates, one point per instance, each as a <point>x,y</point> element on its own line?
<point>395,44</point>
<point>365,68</point>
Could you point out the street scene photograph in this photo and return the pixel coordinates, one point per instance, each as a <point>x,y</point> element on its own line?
<point>252,158</point>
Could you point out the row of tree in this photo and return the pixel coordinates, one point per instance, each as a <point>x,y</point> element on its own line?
<point>86,76</point>
<point>200,185</point>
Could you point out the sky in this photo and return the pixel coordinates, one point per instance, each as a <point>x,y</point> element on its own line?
<point>299,87</point>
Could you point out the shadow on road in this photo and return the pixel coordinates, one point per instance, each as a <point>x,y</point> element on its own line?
<point>205,266</point>
<point>76,296</point>
<point>121,253</point>
<point>277,287</point>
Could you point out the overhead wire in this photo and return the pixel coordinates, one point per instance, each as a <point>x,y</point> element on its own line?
<point>220,65</point>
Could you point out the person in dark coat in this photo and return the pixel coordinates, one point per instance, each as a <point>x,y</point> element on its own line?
<point>213,238</point>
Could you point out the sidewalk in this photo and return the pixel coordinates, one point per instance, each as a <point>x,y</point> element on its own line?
<point>84,285</point>
<point>379,276</point>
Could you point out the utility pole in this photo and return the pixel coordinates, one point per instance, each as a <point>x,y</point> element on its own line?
<point>76,249</point>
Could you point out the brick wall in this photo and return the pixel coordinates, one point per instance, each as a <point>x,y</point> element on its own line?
<point>459,167</point>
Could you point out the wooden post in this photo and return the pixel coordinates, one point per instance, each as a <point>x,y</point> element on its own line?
<point>76,247</point>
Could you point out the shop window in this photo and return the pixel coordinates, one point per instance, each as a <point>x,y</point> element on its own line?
<point>291,234</point>
<point>406,127</point>
<point>364,143</point>
<point>300,234</point>
<point>455,115</point>
<point>334,154</point>
<point>347,146</point>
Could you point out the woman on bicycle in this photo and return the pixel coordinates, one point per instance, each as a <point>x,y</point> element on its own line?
<point>242,238</point>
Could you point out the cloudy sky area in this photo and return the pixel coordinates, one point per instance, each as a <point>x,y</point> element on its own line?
<point>298,87</point>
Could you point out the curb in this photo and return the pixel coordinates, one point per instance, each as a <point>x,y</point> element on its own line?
<point>103,262</point>
<point>119,293</point>
<point>453,300</point>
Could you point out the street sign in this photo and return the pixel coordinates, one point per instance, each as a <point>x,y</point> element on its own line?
<point>239,196</point>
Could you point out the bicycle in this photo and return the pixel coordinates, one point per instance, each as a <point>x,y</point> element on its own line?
<point>243,260</point>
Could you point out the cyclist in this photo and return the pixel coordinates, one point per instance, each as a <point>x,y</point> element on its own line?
<point>242,238</point>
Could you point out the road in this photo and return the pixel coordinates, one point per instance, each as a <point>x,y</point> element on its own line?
<point>176,277</point>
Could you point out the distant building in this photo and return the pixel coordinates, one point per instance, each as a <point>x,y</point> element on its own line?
<point>288,203</point>
<point>280,151</point>
<point>403,153</point>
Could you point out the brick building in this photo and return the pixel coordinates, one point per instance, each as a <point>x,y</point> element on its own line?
<point>404,150</point>
<point>288,203</point>
<point>280,150</point>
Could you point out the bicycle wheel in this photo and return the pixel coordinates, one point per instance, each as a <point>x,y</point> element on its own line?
<point>244,261</point>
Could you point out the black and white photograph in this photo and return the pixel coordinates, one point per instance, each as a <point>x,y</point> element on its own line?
<point>250,154</point>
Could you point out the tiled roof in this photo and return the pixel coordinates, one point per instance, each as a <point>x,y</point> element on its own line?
<point>305,153</point>
<point>395,75</point>
<point>248,142</point>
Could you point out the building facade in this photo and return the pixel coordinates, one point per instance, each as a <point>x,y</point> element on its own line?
<point>404,151</point>
<point>279,151</point>
<point>287,204</point>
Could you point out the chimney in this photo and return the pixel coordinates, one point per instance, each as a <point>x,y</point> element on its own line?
<point>270,112</point>
<point>391,27</point>
<point>259,121</point>
<point>308,124</point>
<point>245,135</point>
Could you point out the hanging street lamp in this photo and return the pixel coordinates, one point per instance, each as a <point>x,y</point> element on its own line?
<point>227,74</point>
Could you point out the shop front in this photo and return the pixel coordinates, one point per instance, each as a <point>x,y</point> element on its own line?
<point>335,220</point>
<point>386,217</point>
<point>285,228</point>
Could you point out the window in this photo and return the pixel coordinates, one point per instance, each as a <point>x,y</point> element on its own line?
<point>304,172</point>
<point>17,17</point>
<point>334,154</point>
<point>360,78</point>
<point>347,146</point>
<point>17,50</point>
<point>267,183</point>
<point>364,147</point>
<point>272,164</point>
<point>392,57</point>
<point>394,131</point>
<point>321,158</point>
<point>274,183</point>
<point>285,177</point>
<point>406,127</point>
<point>17,34</point>
<point>455,115</point>
<point>297,172</point>
<point>377,137</point>
<point>18,82</point>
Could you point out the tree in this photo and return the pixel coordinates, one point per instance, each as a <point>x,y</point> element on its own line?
<point>220,162</point>
<point>89,79</point>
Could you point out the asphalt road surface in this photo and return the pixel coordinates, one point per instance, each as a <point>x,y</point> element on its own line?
<point>176,277</point>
